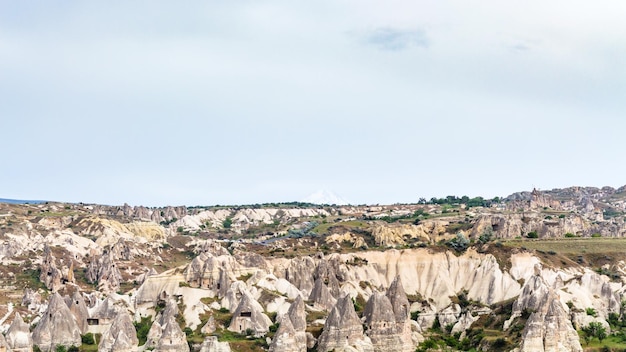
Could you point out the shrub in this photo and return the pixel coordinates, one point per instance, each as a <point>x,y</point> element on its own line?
<point>596,235</point>
<point>60,348</point>
<point>570,235</point>
<point>459,243</point>
<point>87,339</point>
<point>143,327</point>
<point>592,312</point>
<point>532,234</point>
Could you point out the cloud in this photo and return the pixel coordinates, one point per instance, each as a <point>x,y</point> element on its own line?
<point>387,38</point>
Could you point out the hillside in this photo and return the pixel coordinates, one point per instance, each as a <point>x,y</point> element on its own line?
<point>530,272</point>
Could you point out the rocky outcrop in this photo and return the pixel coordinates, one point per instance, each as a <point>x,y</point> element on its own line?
<point>549,328</point>
<point>321,297</point>
<point>103,271</point>
<point>77,306</point>
<point>388,235</point>
<point>291,335</point>
<point>172,338</point>
<point>49,274</point>
<point>209,327</point>
<point>165,334</point>
<point>121,335</point>
<point>388,324</point>
<point>57,326</point>
<point>343,330</point>
<point>210,344</point>
<point>249,317</point>
<point>3,344</point>
<point>18,336</point>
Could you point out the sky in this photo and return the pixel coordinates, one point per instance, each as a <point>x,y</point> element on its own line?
<point>237,102</point>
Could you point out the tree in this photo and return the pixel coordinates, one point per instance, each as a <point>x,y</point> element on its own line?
<point>227,223</point>
<point>594,329</point>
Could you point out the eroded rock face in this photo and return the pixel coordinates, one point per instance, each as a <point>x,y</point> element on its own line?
<point>172,338</point>
<point>549,329</point>
<point>321,296</point>
<point>57,326</point>
<point>343,329</point>
<point>249,316</point>
<point>121,336</point>
<point>18,336</point>
<point>388,328</point>
<point>291,335</point>
<point>50,275</point>
<point>103,271</point>
<point>77,306</point>
<point>210,344</point>
<point>3,344</point>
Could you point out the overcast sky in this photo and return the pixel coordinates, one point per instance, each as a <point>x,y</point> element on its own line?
<point>225,102</point>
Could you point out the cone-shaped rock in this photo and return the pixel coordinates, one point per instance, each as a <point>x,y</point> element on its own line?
<point>210,344</point>
<point>549,328</point>
<point>172,338</point>
<point>18,336</point>
<point>297,315</point>
<point>343,329</point>
<point>77,306</point>
<point>3,344</point>
<point>57,326</point>
<point>320,296</point>
<point>399,301</point>
<point>285,338</point>
<point>121,336</point>
<point>249,315</point>
<point>381,323</point>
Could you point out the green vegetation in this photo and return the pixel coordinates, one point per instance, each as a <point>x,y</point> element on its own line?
<point>87,339</point>
<point>459,243</point>
<point>594,330</point>
<point>143,327</point>
<point>227,223</point>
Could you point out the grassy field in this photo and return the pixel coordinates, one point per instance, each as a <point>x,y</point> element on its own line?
<point>572,245</point>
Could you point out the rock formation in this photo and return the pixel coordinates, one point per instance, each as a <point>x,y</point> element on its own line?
<point>291,335</point>
<point>121,335</point>
<point>210,344</point>
<point>57,326</point>
<point>172,338</point>
<point>249,317</point>
<point>549,328</point>
<point>77,306</point>
<point>343,330</point>
<point>18,336</point>
<point>3,344</point>
<point>103,271</point>
<point>321,297</point>
<point>49,274</point>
